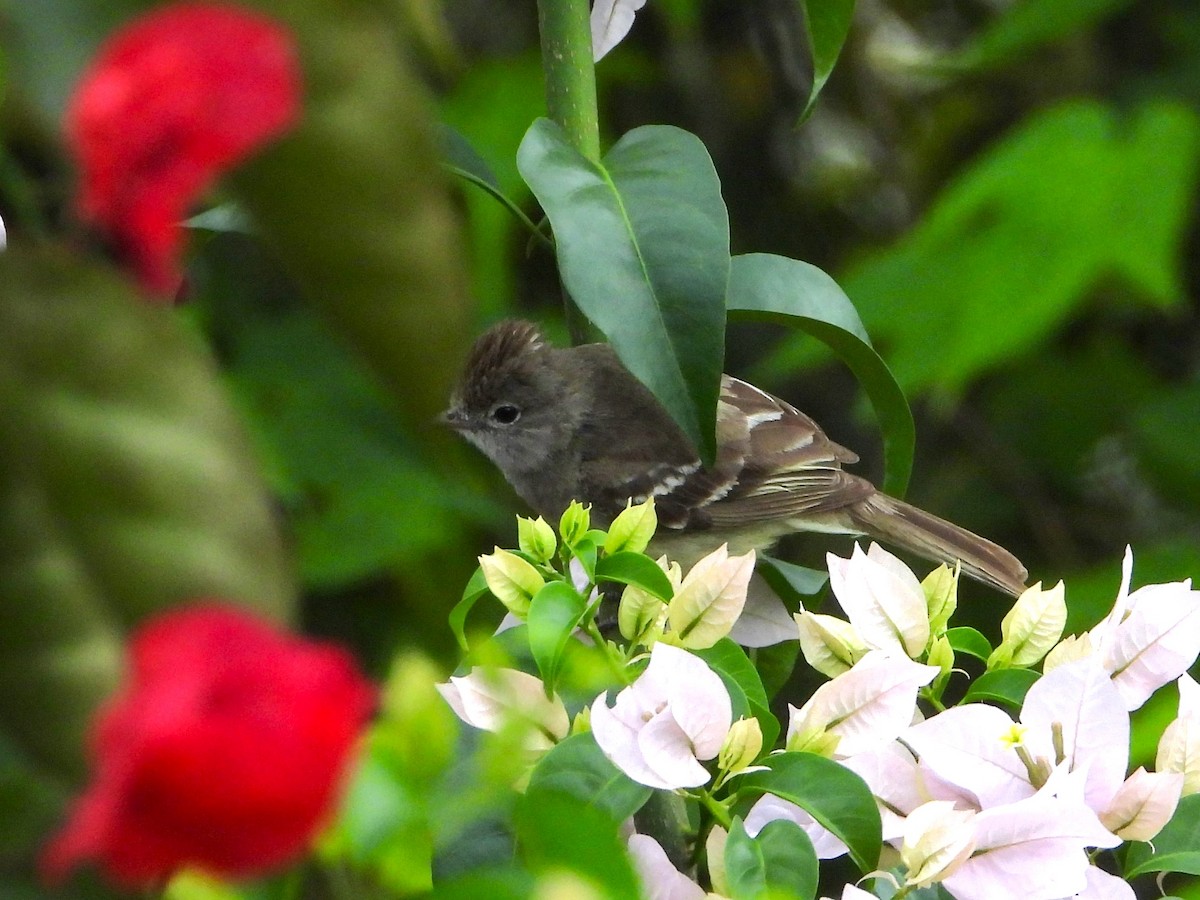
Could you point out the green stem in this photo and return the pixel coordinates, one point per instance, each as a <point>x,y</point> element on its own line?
<point>717,808</point>
<point>613,658</point>
<point>570,73</point>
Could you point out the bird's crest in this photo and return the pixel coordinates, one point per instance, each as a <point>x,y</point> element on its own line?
<point>498,355</point>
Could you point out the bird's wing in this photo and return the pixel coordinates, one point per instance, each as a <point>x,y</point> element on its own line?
<point>773,463</point>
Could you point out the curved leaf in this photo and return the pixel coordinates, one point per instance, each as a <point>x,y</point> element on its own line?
<point>554,613</point>
<point>969,641</point>
<point>643,250</point>
<point>637,569</point>
<point>461,159</point>
<point>1006,686</point>
<point>828,24</point>
<point>778,862</point>
<point>832,794</point>
<point>127,486</point>
<point>476,588</point>
<point>577,767</point>
<point>777,289</point>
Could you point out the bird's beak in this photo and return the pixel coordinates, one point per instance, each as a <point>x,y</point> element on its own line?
<point>454,417</point>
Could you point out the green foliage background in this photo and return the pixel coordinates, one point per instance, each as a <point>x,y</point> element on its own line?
<point>1007,192</point>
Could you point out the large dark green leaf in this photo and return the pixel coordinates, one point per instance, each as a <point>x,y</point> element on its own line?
<point>127,486</point>
<point>778,862</point>
<point>790,292</point>
<point>643,249</point>
<point>828,24</point>
<point>832,794</point>
<point>577,767</point>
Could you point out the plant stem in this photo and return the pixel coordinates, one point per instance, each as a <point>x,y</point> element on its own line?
<point>570,73</point>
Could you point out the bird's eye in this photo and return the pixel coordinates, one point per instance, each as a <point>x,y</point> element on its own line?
<point>506,413</point>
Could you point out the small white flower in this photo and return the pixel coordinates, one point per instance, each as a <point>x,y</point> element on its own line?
<point>676,714</point>
<point>883,600</point>
<point>491,698</point>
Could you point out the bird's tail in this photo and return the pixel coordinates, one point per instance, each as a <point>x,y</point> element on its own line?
<point>896,522</point>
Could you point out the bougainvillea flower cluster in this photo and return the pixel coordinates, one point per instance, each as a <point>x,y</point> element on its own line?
<point>172,101</point>
<point>226,750</point>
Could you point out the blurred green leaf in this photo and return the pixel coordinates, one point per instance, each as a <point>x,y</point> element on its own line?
<point>1166,433</point>
<point>643,250</point>
<point>1004,686</point>
<point>831,793</point>
<point>828,24</point>
<point>128,486</point>
<point>577,767</point>
<point>383,827</point>
<point>373,241</point>
<point>793,293</point>
<point>1174,849</point>
<point>1027,25</point>
<point>1074,196</point>
<point>557,831</point>
<point>778,862</point>
<point>554,613</point>
<point>360,496</point>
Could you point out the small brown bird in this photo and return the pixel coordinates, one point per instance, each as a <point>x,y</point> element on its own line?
<point>567,424</point>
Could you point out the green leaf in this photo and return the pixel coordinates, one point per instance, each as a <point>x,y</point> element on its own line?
<point>778,862</point>
<point>969,641</point>
<point>1025,26</point>
<point>386,272</point>
<point>643,249</point>
<point>461,159</point>
<point>637,569</point>
<point>554,613</point>
<point>745,687</point>
<point>558,831</point>
<point>828,24</point>
<point>577,767</point>
<point>1086,183</point>
<point>1005,686</point>
<point>775,664</point>
<point>831,793</point>
<point>793,293</point>
<point>127,486</point>
<point>383,824</point>
<point>726,658</point>
<point>475,589</point>
<point>510,883</point>
<point>790,581</point>
<point>1174,849</point>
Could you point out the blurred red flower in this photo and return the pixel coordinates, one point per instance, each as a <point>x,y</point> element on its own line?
<point>226,750</point>
<point>171,101</point>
